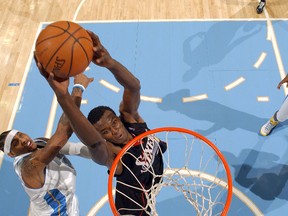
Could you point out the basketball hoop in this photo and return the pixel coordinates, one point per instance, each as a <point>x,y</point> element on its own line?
<point>193,167</point>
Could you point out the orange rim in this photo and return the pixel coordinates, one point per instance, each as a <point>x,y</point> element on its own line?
<point>169,129</point>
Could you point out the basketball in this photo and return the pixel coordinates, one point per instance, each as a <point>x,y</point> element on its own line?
<point>64,48</point>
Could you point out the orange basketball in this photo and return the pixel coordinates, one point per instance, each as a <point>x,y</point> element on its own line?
<point>64,48</point>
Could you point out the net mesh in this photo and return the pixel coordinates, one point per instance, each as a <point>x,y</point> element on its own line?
<point>193,168</point>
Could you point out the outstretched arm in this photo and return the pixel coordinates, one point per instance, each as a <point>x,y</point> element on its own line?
<point>33,166</point>
<point>84,130</point>
<point>131,96</point>
<point>81,82</point>
<point>64,130</point>
<point>32,169</point>
<point>81,126</point>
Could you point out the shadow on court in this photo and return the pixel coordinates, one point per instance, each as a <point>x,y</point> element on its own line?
<point>219,115</point>
<point>217,38</point>
<point>260,172</point>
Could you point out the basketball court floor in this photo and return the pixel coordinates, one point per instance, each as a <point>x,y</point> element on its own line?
<point>215,77</point>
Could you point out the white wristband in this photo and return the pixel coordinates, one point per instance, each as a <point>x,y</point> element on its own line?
<point>79,86</point>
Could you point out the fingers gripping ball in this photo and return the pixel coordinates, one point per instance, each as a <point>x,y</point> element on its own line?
<point>64,48</point>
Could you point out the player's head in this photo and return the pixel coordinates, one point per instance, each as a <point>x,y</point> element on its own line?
<point>105,120</point>
<point>14,143</point>
<point>96,114</point>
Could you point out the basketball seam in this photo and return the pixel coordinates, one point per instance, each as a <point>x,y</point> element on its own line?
<point>70,35</point>
<point>77,40</point>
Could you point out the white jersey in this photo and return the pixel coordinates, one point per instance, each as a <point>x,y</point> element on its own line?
<point>57,196</point>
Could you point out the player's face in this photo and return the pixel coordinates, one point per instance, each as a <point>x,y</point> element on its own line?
<point>112,129</point>
<point>21,144</point>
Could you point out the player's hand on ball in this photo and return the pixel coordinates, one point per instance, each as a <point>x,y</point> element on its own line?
<point>40,67</point>
<point>101,56</point>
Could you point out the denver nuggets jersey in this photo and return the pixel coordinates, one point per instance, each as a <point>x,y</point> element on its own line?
<point>57,196</point>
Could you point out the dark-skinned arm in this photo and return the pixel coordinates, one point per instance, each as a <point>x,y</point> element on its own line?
<point>34,165</point>
<point>84,130</point>
<point>131,96</point>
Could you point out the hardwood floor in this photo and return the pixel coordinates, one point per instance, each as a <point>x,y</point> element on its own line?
<point>20,20</point>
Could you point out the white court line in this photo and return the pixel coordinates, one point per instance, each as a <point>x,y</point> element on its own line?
<point>263,99</point>
<point>1,157</point>
<point>194,98</point>
<point>78,9</point>
<point>268,37</point>
<point>260,60</point>
<point>116,89</point>
<point>174,20</point>
<point>51,118</point>
<point>84,101</point>
<point>271,34</point>
<point>151,99</point>
<point>234,84</point>
<point>109,85</point>
<point>99,204</point>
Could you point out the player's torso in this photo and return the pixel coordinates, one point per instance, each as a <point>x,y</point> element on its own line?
<point>58,193</point>
<point>142,158</point>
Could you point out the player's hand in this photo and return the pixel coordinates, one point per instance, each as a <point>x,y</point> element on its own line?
<point>83,80</point>
<point>285,80</point>
<point>40,67</point>
<point>59,87</point>
<point>101,55</point>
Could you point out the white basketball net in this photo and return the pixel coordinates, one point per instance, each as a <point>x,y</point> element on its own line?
<point>192,168</point>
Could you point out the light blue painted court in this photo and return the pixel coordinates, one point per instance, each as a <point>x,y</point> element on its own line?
<point>234,65</point>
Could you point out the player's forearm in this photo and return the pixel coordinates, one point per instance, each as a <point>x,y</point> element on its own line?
<point>124,76</point>
<point>64,127</point>
<point>81,126</point>
<point>77,96</point>
<point>54,145</point>
<point>64,121</point>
